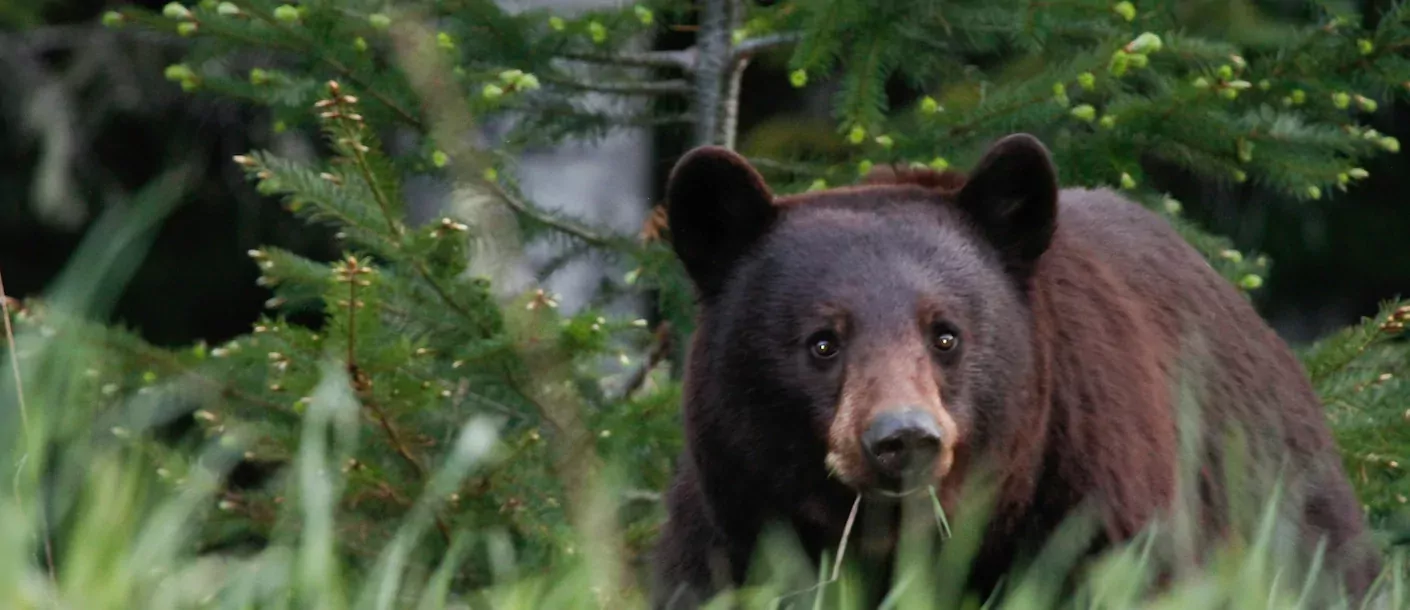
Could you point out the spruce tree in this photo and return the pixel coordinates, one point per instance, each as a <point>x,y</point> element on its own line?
<point>413,335</point>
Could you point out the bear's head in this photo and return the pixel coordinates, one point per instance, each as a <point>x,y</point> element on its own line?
<point>873,334</point>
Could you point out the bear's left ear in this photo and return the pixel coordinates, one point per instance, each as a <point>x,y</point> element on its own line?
<point>717,207</point>
<point>1012,196</point>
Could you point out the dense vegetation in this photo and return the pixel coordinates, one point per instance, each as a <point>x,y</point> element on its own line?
<point>403,427</point>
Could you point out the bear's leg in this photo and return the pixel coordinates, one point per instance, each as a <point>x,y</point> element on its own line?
<point>691,561</point>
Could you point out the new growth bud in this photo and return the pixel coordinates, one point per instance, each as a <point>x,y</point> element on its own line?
<point>1146,43</point>
<point>1125,9</point>
<point>286,13</point>
<point>175,10</point>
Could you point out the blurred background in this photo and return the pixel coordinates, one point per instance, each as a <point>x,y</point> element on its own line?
<point>86,118</point>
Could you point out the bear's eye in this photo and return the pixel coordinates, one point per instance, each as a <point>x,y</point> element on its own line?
<point>946,341</point>
<point>824,345</point>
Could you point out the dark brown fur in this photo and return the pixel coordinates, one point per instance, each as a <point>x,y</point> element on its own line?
<point>1115,311</point>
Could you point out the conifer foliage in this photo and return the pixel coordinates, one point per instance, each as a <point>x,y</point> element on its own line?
<point>415,331</point>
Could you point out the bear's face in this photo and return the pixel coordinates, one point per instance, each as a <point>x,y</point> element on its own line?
<point>895,323</point>
<point>890,322</point>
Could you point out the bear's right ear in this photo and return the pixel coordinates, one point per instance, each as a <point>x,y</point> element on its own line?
<point>718,206</point>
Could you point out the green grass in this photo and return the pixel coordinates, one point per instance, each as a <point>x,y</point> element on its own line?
<point>127,540</point>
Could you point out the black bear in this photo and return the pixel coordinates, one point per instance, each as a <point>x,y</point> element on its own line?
<point>888,337</point>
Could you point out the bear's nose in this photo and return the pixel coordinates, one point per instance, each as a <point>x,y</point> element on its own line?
<point>901,444</point>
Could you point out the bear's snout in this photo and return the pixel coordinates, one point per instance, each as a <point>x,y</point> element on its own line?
<point>891,434</point>
<point>902,446</point>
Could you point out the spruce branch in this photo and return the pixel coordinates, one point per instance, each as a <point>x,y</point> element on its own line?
<point>345,115</point>
<point>661,346</point>
<point>399,446</point>
<point>790,167</point>
<point>350,271</point>
<point>237,36</point>
<point>341,109</point>
<point>312,47</point>
<point>147,356</point>
<point>729,106</point>
<point>684,60</point>
<point>1041,94</point>
<point>540,216</point>
<point>549,390</point>
<point>975,122</point>
<point>642,495</point>
<point>724,70</point>
<point>344,110</point>
<point>1333,355</point>
<point>650,120</point>
<point>764,44</point>
<point>172,366</point>
<point>448,117</point>
<point>445,297</point>
<point>325,197</point>
<point>667,87</point>
<point>380,197</point>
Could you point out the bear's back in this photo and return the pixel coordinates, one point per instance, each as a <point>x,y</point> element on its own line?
<point>1213,349</point>
<point>1141,247</point>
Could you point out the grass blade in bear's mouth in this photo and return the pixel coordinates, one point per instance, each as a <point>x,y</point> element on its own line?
<point>897,494</point>
<point>897,488</point>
